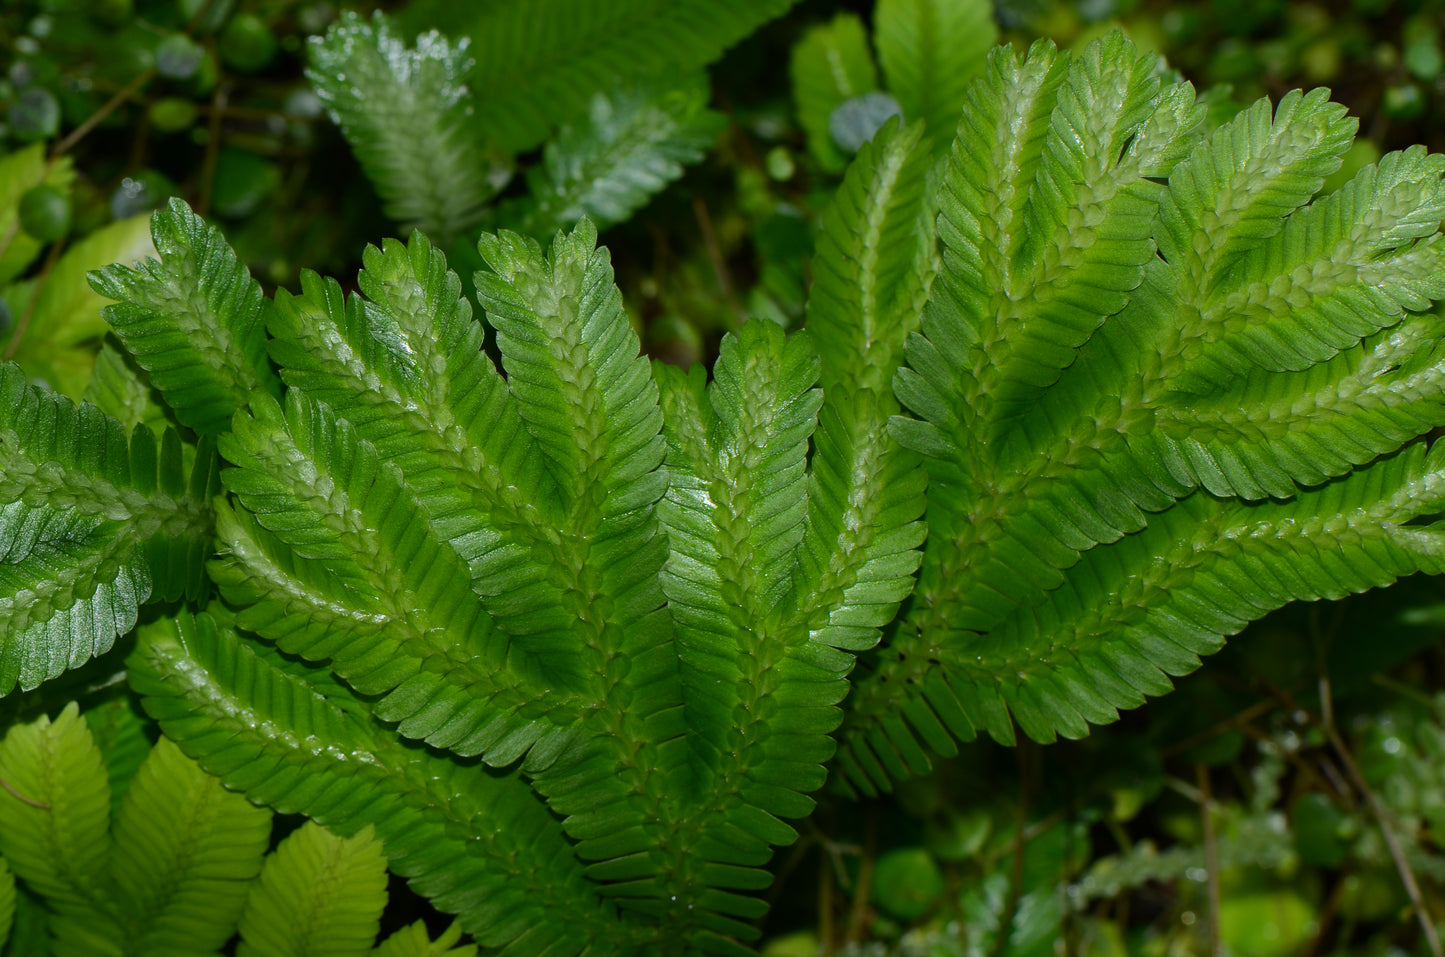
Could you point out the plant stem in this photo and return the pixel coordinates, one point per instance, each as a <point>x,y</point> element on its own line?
<point>1382,817</point>
<point>24,323</point>
<point>1211,856</point>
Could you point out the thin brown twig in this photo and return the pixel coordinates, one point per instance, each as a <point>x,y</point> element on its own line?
<point>20,797</point>
<point>1231,723</point>
<point>1382,818</point>
<point>863,890</point>
<point>826,930</point>
<point>1211,857</point>
<point>213,149</point>
<point>98,117</point>
<point>715,255</point>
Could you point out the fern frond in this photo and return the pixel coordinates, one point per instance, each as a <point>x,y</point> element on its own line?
<point>319,895</point>
<point>396,612</point>
<point>121,731</point>
<point>185,852</point>
<point>1271,351</point>
<point>537,66</point>
<point>875,261</point>
<point>929,50</point>
<point>194,320</point>
<point>1129,616</point>
<point>633,143</point>
<point>414,941</point>
<point>734,516</point>
<point>872,271</point>
<point>405,367</point>
<point>55,814</point>
<point>121,391</point>
<point>88,523</point>
<point>410,120</point>
<point>588,399</point>
<point>1235,189</point>
<point>830,65</point>
<point>1346,266</point>
<point>478,844</point>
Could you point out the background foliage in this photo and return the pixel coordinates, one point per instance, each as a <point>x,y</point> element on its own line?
<point>1281,802</point>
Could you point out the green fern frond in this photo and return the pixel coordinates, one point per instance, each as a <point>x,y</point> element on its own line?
<point>633,143</point>
<point>91,525</point>
<point>830,65</point>
<point>872,271</point>
<point>479,844</point>
<point>733,514</point>
<point>929,50</point>
<point>396,612</point>
<point>1144,440</point>
<point>405,367</point>
<point>1128,617</point>
<point>537,66</point>
<point>122,732</point>
<point>1235,190</point>
<point>121,391</point>
<point>194,320</point>
<point>185,852</point>
<point>587,398</point>
<point>410,120</point>
<point>319,895</point>
<point>1342,268</point>
<point>55,815</point>
<point>414,941</point>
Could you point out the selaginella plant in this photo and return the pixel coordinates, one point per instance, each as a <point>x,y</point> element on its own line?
<point>574,635</point>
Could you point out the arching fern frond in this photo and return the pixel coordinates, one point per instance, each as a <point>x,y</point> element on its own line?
<point>1156,448</point>
<point>399,616</point>
<point>875,262</point>
<point>55,817</point>
<point>185,852</point>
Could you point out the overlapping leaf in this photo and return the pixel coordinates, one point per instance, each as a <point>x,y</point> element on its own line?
<point>317,894</point>
<point>1154,448</point>
<point>92,525</point>
<point>194,320</point>
<point>830,65</point>
<point>478,844</point>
